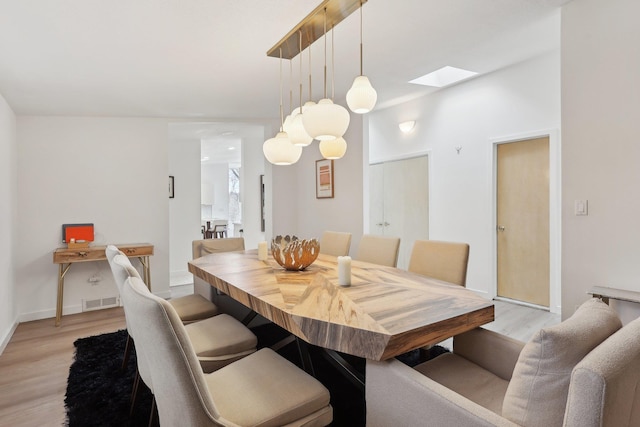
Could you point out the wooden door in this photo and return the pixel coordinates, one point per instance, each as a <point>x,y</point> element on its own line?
<point>523,221</point>
<point>399,202</point>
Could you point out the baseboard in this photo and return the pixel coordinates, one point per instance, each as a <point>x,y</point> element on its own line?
<point>7,337</point>
<point>523,303</point>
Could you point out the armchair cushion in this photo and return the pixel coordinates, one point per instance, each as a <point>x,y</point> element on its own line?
<point>537,392</point>
<point>467,379</point>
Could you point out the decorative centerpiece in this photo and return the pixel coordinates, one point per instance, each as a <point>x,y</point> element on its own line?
<point>294,254</point>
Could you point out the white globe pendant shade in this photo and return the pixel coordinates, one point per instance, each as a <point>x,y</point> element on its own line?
<point>287,122</point>
<point>295,129</point>
<point>333,148</point>
<point>280,150</point>
<point>297,133</point>
<point>326,120</point>
<point>362,97</point>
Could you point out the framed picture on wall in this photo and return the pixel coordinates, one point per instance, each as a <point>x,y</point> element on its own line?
<point>324,179</point>
<point>171,193</point>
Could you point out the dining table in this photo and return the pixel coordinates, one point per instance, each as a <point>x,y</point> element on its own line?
<point>384,312</point>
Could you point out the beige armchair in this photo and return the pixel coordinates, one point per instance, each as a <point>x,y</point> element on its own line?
<point>262,389</point>
<point>584,372</point>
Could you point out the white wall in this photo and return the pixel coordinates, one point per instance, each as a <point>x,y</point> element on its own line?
<point>109,171</point>
<point>600,148</point>
<point>252,167</point>
<point>217,175</point>
<point>184,208</point>
<point>8,218</point>
<point>512,101</point>
<point>295,207</point>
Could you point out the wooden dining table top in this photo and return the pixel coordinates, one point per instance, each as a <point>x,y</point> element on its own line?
<point>385,312</point>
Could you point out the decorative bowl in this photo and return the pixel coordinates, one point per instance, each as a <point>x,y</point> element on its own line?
<point>294,254</point>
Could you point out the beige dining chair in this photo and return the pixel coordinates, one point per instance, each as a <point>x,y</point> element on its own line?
<point>335,243</point>
<point>217,341</point>
<point>190,308</point>
<point>445,261</point>
<point>200,248</point>
<point>261,389</point>
<point>381,250</point>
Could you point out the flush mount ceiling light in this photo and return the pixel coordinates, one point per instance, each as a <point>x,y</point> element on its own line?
<point>362,97</point>
<point>407,126</point>
<point>444,77</point>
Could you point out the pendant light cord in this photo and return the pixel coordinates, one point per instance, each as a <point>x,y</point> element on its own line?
<point>281,110</point>
<point>325,52</point>
<point>300,46</point>
<point>361,68</point>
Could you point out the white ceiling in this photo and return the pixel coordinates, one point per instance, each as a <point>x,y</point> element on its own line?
<point>206,59</point>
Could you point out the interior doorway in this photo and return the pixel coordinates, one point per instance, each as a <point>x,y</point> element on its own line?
<point>523,221</point>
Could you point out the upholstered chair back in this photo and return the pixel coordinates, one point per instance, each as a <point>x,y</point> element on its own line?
<point>381,250</point>
<point>179,385</point>
<point>204,247</point>
<point>122,270</point>
<point>335,243</point>
<point>605,385</point>
<point>445,261</point>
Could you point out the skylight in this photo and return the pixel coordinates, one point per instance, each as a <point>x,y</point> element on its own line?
<point>443,77</point>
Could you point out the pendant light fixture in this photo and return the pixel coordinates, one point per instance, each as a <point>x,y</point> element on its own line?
<point>280,150</point>
<point>295,128</point>
<point>326,120</point>
<point>362,97</point>
<point>333,148</point>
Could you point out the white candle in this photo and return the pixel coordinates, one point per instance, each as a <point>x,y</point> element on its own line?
<point>344,270</point>
<point>262,251</point>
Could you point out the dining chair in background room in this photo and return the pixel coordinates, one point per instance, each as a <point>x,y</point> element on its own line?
<point>260,389</point>
<point>382,250</point>
<point>335,243</point>
<point>445,261</point>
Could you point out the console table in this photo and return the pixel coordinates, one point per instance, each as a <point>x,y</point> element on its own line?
<point>606,293</point>
<point>64,257</point>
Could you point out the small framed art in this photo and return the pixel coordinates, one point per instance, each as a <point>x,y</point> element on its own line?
<point>324,179</point>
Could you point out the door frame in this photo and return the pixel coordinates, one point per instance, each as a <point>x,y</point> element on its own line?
<point>555,212</point>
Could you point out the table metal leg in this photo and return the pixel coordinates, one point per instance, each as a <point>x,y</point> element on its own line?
<point>305,357</point>
<point>62,270</point>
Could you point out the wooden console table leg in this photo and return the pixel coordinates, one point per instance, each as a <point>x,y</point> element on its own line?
<point>146,270</point>
<point>62,270</point>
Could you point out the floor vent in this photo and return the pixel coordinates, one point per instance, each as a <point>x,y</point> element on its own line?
<point>100,303</point>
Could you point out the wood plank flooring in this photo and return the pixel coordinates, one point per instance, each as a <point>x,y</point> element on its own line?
<point>35,365</point>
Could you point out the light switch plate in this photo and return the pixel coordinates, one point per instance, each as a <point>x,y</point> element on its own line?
<point>581,207</point>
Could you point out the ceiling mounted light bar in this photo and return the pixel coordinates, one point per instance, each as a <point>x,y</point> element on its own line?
<point>312,27</point>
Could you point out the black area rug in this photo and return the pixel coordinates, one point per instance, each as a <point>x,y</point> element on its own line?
<point>99,392</point>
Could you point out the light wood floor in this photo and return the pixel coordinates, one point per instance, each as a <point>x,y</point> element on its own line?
<point>35,365</point>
